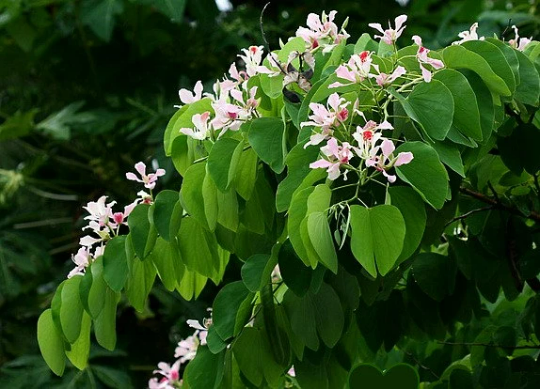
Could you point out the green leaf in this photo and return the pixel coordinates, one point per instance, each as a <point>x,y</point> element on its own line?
<point>528,90</point>
<point>17,125</point>
<point>298,161</point>
<point>164,256</point>
<point>140,280</point>
<point>167,214</point>
<point>191,284</point>
<point>198,248</point>
<point>210,199</point>
<point>267,137</point>
<point>105,323</point>
<point>450,155</point>
<point>297,212</point>
<point>466,114</point>
<point>263,367</point>
<point>194,198</point>
<point>321,238</point>
<point>425,173</point>
<point>252,271</point>
<point>100,17</point>
<point>92,288</point>
<point>115,267</point>
<point>80,349</point>
<point>377,236</point>
<point>412,209</point>
<point>316,313</point>
<point>143,233</point>
<point>432,106</point>
<point>51,343</point>
<point>296,275</point>
<point>496,60</point>
<point>401,376</point>
<point>223,161</point>
<point>206,370</point>
<point>71,310</point>
<point>435,274</point>
<point>484,100</point>
<point>246,173</point>
<point>227,209</point>
<point>214,342</point>
<point>225,308</point>
<point>172,9</point>
<point>458,57</point>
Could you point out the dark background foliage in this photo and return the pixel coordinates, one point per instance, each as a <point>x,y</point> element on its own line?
<point>86,90</point>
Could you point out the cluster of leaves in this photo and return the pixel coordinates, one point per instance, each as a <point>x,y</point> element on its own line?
<point>370,273</point>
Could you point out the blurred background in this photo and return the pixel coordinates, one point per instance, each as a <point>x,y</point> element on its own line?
<point>86,90</point>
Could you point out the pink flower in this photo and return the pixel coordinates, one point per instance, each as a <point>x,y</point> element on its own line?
<point>202,130</point>
<point>171,373</point>
<point>387,160</point>
<point>188,97</point>
<point>470,35</point>
<point>325,118</point>
<point>356,70</point>
<point>82,259</point>
<point>390,35</point>
<point>519,43</point>
<point>291,372</point>
<point>322,33</point>
<point>252,58</point>
<point>384,79</point>
<point>336,156</point>
<point>119,218</point>
<point>422,57</point>
<point>187,348</point>
<point>228,116</point>
<point>148,180</point>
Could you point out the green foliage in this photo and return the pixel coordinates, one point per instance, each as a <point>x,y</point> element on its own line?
<point>437,271</point>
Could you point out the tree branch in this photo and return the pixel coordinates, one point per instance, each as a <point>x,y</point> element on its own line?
<point>467,214</point>
<point>498,205</point>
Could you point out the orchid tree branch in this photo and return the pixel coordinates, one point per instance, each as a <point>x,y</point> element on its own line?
<point>472,344</point>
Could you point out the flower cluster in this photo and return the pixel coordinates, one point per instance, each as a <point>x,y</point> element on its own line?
<point>185,352</point>
<point>233,102</point>
<point>423,59</point>
<point>518,43</point>
<point>322,32</point>
<point>104,223</point>
<point>371,147</point>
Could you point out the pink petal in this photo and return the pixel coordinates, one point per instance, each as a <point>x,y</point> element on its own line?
<point>132,177</point>
<point>141,168</point>
<point>321,163</point>
<point>160,172</point>
<point>198,89</point>
<point>390,177</point>
<point>387,147</point>
<point>417,40</point>
<point>400,20</point>
<point>385,125</point>
<point>404,158</point>
<point>426,74</point>
<point>376,26</point>
<point>437,64</point>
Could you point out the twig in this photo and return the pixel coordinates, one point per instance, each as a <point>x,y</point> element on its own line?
<point>488,200</point>
<point>524,347</point>
<point>467,214</point>
<point>270,54</point>
<point>420,364</point>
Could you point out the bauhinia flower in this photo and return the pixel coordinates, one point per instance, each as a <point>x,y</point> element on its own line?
<point>368,136</point>
<point>469,35</point>
<point>322,33</point>
<point>390,35</point>
<point>82,259</point>
<point>171,375</point>
<point>336,156</point>
<point>387,160</point>
<point>201,130</point>
<point>252,58</point>
<point>383,79</point>
<point>149,180</point>
<point>422,57</point>
<point>188,97</point>
<point>326,118</point>
<point>519,43</point>
<point>356,70</point>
